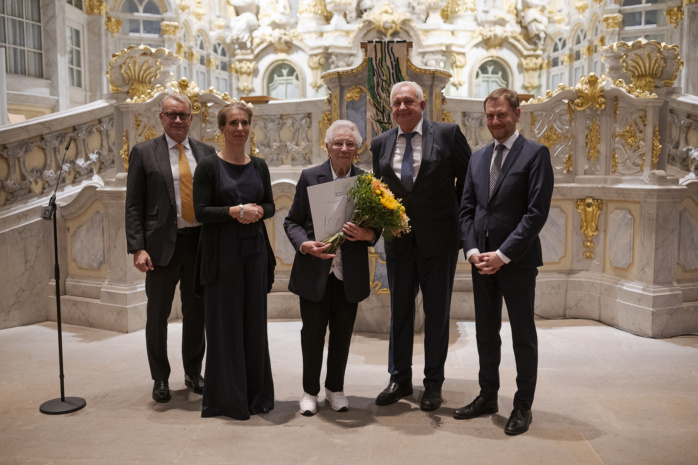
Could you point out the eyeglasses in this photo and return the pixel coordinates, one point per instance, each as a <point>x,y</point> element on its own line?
<point>339,145</point>
<point>172,116</point>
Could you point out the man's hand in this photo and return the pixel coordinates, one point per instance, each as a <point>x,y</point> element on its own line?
<point>141,260</point>
<point>489,263</point>
<point>316,249</point>
<point>357,233</point>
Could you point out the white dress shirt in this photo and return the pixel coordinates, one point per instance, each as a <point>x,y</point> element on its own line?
<point>400,150</point>
<point>507,146</point>
<point>174,165</point>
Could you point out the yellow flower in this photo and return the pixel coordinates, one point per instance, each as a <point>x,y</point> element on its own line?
<point>389,202</point>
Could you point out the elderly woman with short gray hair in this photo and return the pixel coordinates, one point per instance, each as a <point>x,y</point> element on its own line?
<point>330,286</point>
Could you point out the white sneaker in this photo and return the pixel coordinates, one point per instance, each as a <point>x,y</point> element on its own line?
<point>308,404</point>
<point>338,401</point>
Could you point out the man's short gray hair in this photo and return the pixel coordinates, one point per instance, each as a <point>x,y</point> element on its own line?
<point>343,124</point>
<point>181,98</point>
<point>417,88</point>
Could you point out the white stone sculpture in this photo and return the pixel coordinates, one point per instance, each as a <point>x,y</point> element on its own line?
<point>275,14</point>
<point>245,23</point>
<point>692,156</point>
<point>533,19</point>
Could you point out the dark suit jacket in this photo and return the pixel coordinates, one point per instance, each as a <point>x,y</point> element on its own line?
<point>151,209</point>
<point>518,209</point>
<point>432,205</point>
<point>309,274</point>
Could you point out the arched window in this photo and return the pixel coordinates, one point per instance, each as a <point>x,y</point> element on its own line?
<point>183,53</point>
<point>580,54</point>
<point>201,80</point>
<point>283,82</point>
<point>20,35</point>
<point>558,66</point>
<point>220,74</point>
<point>599,42</point>
<point>643,18</point>
<point>141,17</point>
<point>490,75</point>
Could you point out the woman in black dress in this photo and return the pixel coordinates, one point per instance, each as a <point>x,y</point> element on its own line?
<point>232,195</point>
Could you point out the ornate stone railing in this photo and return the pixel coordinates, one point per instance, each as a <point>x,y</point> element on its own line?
<point>31,152</point>
<point>682,143</point>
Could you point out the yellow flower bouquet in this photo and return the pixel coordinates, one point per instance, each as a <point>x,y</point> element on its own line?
<point>375,207</point>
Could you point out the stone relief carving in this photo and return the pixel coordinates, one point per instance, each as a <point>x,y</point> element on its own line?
<point>285,140</point>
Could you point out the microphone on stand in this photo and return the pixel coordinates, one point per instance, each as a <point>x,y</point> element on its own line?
<point>63,404</point>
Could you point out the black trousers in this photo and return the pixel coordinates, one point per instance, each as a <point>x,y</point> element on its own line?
<point>333,311</point>
<point>435,277</point>
<point>518,288</point>
<point>160,285</point>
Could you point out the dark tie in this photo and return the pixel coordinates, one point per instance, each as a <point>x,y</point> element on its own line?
<point>407,168</point>
<point>496,167</point>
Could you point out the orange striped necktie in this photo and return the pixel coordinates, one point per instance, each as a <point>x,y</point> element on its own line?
<point>186,186</point>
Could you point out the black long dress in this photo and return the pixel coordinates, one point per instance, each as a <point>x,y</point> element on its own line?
<point>238,370</point>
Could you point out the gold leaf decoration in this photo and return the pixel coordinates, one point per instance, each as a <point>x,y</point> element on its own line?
<point>590,91</point>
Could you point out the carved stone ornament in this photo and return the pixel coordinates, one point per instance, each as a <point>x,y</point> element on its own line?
<point>674,15</point>
<point>112,25</point>
<point>314,8</point>
<point>532,65</point>
<point>169,28</point>
<point>632,90</point>
<point>581,6</point>
<point>315,63</point>
<point>589,210</point>
<point>281,40</point>
<point>612,21</point>
<point>124,150</point>
<point>645,64</point>
<point>139,69</point>
<point>386,20</point>
<point>245,71</point>
<point>590,92</point>
<point>96,7</point>
<point>457,7</point>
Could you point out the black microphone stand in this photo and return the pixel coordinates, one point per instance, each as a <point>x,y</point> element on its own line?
<point>64,404</point>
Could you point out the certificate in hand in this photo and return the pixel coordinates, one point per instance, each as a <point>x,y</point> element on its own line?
<point>330,206</point>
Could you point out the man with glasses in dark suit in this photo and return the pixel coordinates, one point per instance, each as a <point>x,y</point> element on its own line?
<point>162,234</point>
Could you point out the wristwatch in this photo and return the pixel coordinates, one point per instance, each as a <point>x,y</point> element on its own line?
<point>242,213</point>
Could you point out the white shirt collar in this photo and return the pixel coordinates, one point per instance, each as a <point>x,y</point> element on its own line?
<point>509,142</point>
<point>417,129</point>
<point>171,142</point>
<point>334,175</point>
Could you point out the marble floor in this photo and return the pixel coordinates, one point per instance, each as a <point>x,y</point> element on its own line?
<point>604,397</point>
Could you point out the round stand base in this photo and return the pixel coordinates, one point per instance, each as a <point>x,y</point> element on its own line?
<point>59,407</point>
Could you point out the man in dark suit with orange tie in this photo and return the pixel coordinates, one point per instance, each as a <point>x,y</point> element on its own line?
<point>423,163</point>
<point>162,234</point>
<point>505,205</point>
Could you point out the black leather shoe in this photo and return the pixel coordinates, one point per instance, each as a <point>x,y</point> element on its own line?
<point>480,406</point>
<point>431,399</point>
<point>161,392</point>
<point>196,383</point>
<point>393,393</point>
<point>518,423</point>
